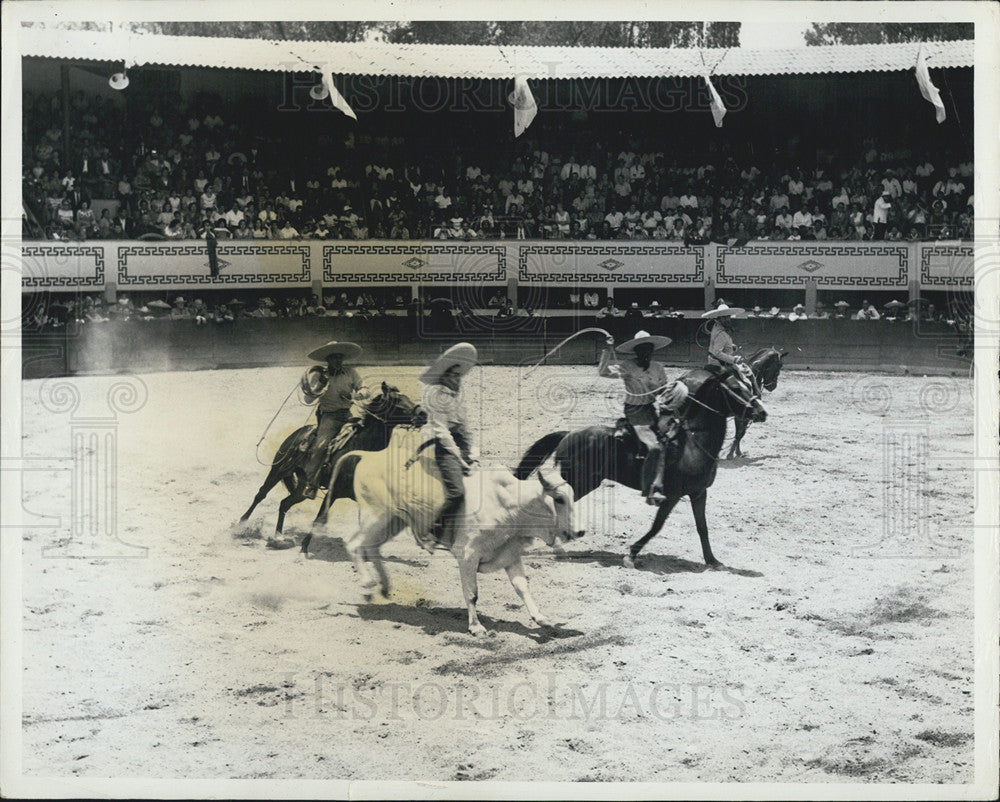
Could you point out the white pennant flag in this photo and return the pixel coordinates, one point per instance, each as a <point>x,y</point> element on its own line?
<point>927,89</point>
<point>718,109</point>
<point>524,105</point>
<point>336,98</point>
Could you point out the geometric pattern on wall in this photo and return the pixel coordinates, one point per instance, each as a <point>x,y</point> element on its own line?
<point>227,253</point>
<point>602,264</point>
<point>417,263</point>
<point>55,257</point>
<point>964,254</point>
<point>895,275</point>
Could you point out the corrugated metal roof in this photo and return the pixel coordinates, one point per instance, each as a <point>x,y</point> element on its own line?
<point>486,61</point>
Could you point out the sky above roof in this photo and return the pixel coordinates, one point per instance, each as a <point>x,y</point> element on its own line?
<point>768,35</point>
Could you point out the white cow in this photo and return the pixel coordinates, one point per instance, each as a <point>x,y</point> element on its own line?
<point>501,516</point>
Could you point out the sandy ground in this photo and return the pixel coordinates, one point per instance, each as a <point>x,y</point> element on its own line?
<point>835,647</point>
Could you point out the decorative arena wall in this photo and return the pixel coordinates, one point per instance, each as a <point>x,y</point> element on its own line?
<point>112,265</point>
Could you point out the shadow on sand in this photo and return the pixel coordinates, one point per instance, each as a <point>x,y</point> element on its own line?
<point>438,620</point>
<point>742,462</point>
<point>330,548</point>
<point>651,563</point>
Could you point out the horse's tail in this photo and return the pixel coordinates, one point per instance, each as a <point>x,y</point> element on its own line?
<point>538,453</point>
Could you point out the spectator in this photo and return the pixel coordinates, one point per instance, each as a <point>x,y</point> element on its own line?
<point>613,221</point>
<point>867,312</point>
<point>288,231</point>
<point>608,310</point>
<point>880,215</point>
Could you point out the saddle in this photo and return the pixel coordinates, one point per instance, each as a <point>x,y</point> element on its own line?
<point>668,434</point>
<point>347,431</point>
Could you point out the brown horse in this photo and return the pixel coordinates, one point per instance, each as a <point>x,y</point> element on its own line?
<point>765,365</point>
<point>586,457</point>
<point>380,416</point>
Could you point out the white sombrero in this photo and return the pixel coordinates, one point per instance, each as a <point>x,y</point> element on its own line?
<point>463,356</point>
<point>642,338</point>
<point>348,350</point>
<point>722,311</point>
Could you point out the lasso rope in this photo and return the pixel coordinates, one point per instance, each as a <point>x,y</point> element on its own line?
<point>561,344</point>
<point>270,423</point>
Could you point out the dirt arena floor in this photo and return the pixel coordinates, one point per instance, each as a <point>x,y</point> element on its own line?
<point>835,646</point>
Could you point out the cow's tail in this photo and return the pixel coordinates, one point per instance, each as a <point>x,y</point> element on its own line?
<point>538,453</point>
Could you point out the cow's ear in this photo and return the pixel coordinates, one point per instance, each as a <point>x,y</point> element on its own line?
<point>385,388</point>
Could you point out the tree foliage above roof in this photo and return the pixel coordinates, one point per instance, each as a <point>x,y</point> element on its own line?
<point>861,33</point>
<point>569,34</point>
<point>450,32</point>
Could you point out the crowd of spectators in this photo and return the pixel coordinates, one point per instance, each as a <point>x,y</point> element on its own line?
<point>167,169</point>
<point>45,312</point>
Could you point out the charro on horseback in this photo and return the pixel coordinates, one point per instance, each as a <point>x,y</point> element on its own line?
<point>335,388</point>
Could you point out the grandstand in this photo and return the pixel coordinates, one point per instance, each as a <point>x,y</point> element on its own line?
<point>218,160</point>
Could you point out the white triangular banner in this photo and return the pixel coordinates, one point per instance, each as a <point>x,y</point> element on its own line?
<point>524,105</point>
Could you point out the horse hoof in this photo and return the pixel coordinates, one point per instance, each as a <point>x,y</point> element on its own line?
<point>715,565</point>
<point>543,622</point>
<point>279,543</point>
<point>629,561</point>
<point>477,630</point>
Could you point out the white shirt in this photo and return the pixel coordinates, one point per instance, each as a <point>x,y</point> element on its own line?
<point>881,213</point>
<point>445,414</point>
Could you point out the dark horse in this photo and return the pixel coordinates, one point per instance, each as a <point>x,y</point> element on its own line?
<point>380,416</point>
<point>766,365</point>
<point>587,456</point>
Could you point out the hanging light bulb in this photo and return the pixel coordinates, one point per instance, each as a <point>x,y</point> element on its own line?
<point>319,91</point>
<point>118,81</point>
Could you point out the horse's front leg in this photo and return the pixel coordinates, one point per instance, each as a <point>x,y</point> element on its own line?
<point>698,508</point>
<point>467,570</point>
<point>517,577</point>
<point>661,515</point>
<point>741,429</point>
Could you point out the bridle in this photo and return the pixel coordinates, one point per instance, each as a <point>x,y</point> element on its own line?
<point>387,403</point>
<point>746,404</point>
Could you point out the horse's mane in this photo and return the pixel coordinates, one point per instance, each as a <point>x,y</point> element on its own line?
<point>757,354</point>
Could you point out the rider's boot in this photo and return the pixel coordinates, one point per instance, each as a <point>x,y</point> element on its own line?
<point>652,470</point>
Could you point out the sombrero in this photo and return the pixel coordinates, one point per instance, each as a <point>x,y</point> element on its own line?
<point>798,306</point>
<point>463,355</point>
<point>841,303</point>
<point>348,350</point>
<point>641,338</point>
<point>894,304</point>
<point>722,311</point>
